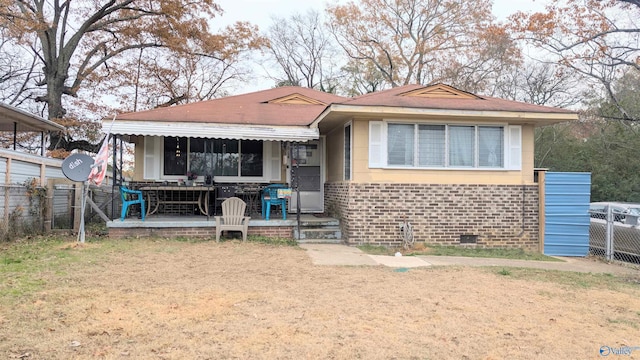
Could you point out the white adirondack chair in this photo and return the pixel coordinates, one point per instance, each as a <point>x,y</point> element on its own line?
<point>232,218</point>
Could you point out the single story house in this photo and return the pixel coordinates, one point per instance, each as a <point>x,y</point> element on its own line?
<point>457,166</point>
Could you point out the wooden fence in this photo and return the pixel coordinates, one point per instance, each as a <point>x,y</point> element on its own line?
<point>35,196</point>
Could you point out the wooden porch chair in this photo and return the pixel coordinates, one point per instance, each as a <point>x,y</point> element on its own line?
<point>232,218</point>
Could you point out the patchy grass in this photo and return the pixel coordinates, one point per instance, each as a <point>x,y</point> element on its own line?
<point>272,241</point>
<point>516,254</point>
<point>572,279</point>
<point>436,250</point>
<point>27,264</point>
<point>182,299</point>
<point>376,250</point>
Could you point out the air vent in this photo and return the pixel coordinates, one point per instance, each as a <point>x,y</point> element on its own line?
<point>440,91</point>
<point>468,239</point>
<point>296,99</point>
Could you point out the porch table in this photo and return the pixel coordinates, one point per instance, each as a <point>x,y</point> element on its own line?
<point>250,193</point>
<point>177,195</point>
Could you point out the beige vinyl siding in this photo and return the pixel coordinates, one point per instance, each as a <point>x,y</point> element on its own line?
<point>335,154</point>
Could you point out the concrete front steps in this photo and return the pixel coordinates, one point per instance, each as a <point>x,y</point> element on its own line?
<point>319,231</point>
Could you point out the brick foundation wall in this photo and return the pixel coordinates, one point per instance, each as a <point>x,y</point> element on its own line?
<point>504,216</point>
<point>336,200</point>
<point>285,232</point>
<point>282,232</point>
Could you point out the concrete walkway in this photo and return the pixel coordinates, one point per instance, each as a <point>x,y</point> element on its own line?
<point>332,254</point>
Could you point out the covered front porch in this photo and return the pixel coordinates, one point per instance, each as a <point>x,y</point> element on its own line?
<point>309,229</point>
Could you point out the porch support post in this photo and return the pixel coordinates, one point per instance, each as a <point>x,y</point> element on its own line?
<point>114,180</point>
<point>42,143</point>
<point>295,180</point>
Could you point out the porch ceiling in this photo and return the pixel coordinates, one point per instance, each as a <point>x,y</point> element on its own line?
<point>212,130</point>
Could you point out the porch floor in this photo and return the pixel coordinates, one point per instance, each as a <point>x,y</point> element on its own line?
<point>182,221</point>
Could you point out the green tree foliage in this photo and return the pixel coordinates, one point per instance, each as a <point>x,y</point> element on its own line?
<point>602,143</point>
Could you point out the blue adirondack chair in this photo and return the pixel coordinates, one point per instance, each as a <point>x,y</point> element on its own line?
<point>131,197</point>
<point>270,197</point>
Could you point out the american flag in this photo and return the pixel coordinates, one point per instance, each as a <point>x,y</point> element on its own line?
<point>99,169</point>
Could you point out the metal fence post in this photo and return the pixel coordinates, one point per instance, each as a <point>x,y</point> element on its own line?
<point>609,235</point>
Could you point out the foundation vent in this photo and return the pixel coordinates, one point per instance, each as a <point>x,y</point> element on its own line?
<point>468,239</point>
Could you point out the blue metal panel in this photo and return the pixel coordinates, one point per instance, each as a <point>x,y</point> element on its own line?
<point>566,208</point>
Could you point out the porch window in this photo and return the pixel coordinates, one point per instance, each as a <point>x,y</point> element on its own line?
<point>444,146</point>
<point>175,156</point>
<point>251,161</point>
<point>218,157</point>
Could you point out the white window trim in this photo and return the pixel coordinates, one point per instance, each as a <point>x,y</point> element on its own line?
<point>153,168</point>
<point>512,150</point>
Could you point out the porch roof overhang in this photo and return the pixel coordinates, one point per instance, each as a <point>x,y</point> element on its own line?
<point>14,119</point>
<point>213,130</point>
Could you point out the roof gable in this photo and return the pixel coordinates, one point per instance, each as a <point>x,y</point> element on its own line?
<point>296,99</point>
<point>439,91</point>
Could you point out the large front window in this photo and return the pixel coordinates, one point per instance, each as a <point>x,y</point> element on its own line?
<point>445,146</point>
<point>217,157</point>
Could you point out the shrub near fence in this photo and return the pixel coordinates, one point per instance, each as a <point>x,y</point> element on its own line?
<point>23,209</point>
<point>30,209</point>
<point>615,237</point>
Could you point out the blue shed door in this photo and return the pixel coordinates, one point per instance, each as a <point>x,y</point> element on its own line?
<point>566,208</point>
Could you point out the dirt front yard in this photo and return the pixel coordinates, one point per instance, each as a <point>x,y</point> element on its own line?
<point>180,300</point>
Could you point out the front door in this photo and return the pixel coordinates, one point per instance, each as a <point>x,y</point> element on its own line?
<point>307,167</point>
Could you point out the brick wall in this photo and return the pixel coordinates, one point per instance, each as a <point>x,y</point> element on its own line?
<point>197,232</point>
<point>336,198</point>
<point>500,215</point>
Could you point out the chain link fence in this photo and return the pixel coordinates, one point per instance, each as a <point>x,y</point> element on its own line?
<point>614,236</point>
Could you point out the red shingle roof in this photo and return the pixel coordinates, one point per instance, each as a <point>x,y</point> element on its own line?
<point>397,97</point>
<point>292,105</point>
<point>252,108</point>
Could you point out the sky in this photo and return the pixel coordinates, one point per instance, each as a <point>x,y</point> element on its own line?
<point>261,12</point>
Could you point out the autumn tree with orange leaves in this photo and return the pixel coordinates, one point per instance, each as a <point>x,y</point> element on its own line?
<point>597,39</point>
<point>425,41</point>
<point>86,42</point>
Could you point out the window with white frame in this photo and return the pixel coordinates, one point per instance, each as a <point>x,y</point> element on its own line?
<point>420,145</point>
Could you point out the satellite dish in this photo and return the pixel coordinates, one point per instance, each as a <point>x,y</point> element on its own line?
<point>77,167</point>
